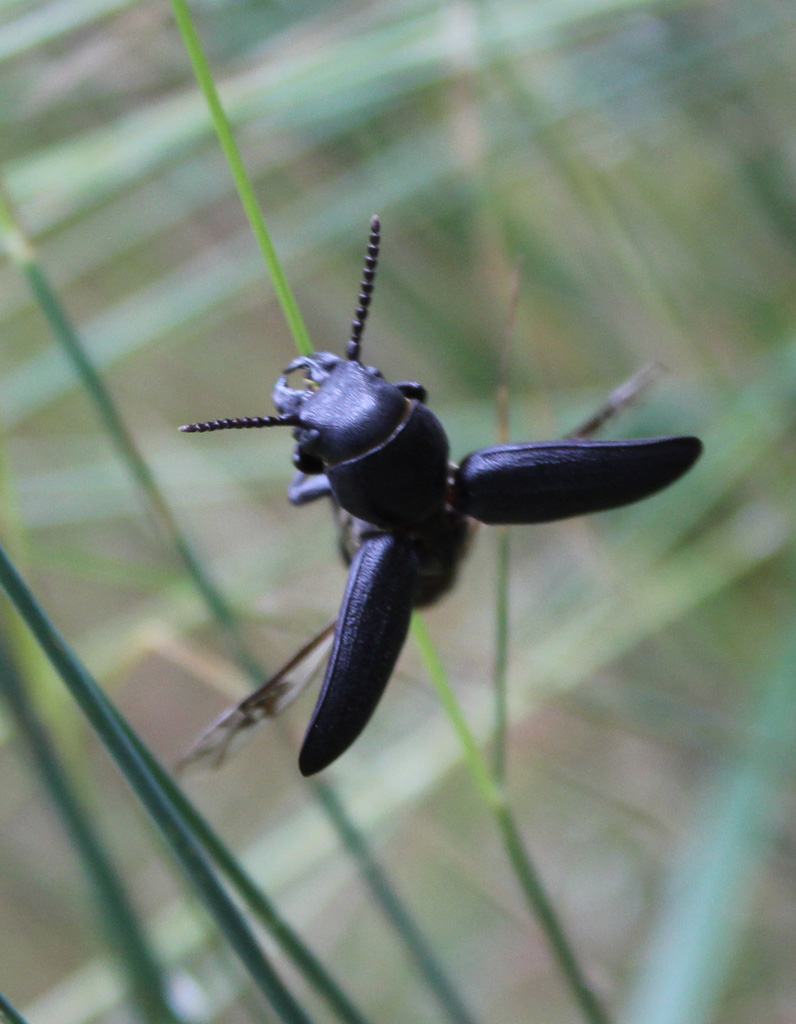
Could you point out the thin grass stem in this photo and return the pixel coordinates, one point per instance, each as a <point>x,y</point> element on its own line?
<point>500,668</point>
<point>493,795</point>
<point>248,199</point>
<point>482,777</point>
<point>425,961</point>
<point>543,909</point>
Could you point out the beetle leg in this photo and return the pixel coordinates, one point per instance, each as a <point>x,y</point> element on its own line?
<point>411,389</point>
<point>305,463</point>
<point>371,629</point>
<point>304,488</point>
<point>540,482</point>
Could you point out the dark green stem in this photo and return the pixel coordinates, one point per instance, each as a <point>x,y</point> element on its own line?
<point>259,904</point>
<point>494,797</point>
<point>544,912</point>
<point>178,838</point>
<point>8,1014</point>
<point>147,986</point>
<point>388,899</point>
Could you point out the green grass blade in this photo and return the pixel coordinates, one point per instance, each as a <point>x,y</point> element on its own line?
<point>8,1014</point>
<point>134,956</point>
<point>527,876</point>
<point>259,904</point>
<point>487,787</point>
<point>500,670</point>
<point>248,199</point>
<point>544,911</point>
<point>416,944</point>
<point>177,836</point>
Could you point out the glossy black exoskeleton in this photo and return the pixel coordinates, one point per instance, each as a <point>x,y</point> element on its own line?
<point>405,513</point>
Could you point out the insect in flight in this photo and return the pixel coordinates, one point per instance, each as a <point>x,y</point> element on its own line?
<point>405,515</point>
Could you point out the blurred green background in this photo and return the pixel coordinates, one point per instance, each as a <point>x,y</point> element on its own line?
<point>638,160</point>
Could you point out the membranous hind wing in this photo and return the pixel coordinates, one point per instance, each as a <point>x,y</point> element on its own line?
<point>227,733</point>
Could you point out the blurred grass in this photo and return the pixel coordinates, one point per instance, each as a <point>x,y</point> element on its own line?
<point>639,159</point>
<point>691,951</point>
<point>8,1013</point>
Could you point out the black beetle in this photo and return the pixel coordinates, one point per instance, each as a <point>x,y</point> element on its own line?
<point>405,514</point>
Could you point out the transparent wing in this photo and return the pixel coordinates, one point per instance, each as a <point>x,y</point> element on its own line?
<point>227,733</point>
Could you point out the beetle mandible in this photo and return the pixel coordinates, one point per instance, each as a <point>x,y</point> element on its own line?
<point>405,513</point>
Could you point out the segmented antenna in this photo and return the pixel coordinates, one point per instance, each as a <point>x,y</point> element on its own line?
<point>366,286</point>
<point>240,423</point>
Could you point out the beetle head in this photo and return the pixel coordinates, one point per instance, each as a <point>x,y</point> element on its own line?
<point>344,409</point>
<point>317,368</point>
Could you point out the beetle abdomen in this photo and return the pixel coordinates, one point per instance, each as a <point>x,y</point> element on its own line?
<point>401,481</point>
